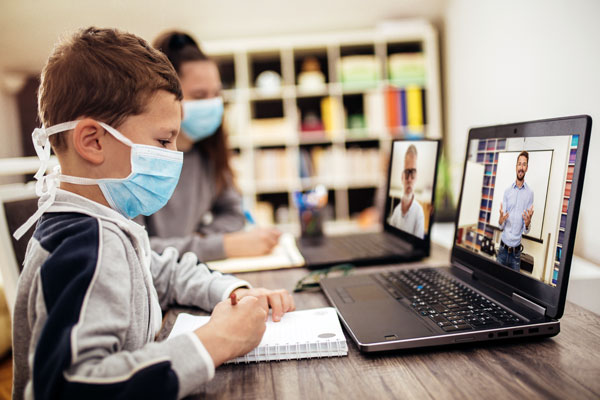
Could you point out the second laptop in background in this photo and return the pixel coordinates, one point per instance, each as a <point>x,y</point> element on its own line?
<point>406,219</point>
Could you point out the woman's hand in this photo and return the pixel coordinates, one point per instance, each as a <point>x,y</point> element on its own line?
<point>256,242</point>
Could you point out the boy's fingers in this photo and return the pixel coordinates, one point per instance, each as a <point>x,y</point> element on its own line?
<point>276,306</point>
<point>247,299</point>
<point>288,302</point>
<point>262,301</point>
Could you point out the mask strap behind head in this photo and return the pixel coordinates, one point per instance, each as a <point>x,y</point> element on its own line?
<point>47,184</point>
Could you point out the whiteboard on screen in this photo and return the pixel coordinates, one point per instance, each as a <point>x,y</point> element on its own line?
<point>471,194</point>
<point>537,177</point>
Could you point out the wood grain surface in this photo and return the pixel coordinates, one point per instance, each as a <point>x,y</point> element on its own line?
<point>566,366</point>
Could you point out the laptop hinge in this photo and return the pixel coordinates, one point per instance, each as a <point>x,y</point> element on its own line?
<point>463,269</point>
<point>529,304</point>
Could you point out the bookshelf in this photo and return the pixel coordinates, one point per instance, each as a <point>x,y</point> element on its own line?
<point>565,206</point>
<point>322,108</point>
<point>488,151</point>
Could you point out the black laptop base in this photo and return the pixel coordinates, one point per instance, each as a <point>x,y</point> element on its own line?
<point>357,249</point>
<point>395,322</point>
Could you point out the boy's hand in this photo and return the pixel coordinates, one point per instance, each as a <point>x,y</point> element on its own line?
<point>280,301</point>
<point>233,330</point>
<point>256,242</point>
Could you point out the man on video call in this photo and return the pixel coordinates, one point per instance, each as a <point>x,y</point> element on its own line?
<point>408,215</point>
<point>515,219</point>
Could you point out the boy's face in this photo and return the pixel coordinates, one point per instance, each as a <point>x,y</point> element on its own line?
<point>157,126</point>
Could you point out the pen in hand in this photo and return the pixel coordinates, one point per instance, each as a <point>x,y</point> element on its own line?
<point>233,299</point>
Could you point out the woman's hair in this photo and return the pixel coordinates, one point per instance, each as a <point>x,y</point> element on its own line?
<point>179,48</point>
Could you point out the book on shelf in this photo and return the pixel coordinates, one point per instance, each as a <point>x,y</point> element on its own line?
<point>405,109</point>
<point>300,334</point>
<point>363,165</point>
<point>284,255</point>
<point>359,70</point>
<point>407,69</point>
<point>332,114</point>
<point>273,165</point>
<point>271,130</point>
<point>393,108</point>
<point>316,163</point>
<point>374,106</point>
<point>414,109</point>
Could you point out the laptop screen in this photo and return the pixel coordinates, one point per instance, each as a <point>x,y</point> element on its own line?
<point>515,201</point>
<point>409,205</point>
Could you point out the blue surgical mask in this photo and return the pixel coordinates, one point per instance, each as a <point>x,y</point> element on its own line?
<point>202,118</point>
<point>153,178</point>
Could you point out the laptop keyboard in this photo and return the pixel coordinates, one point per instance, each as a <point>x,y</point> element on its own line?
<point>450,304</point>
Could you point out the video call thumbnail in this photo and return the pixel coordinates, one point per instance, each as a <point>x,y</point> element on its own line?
<point>411,186</point>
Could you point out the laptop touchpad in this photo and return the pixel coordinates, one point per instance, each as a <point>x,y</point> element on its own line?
<point>366,292</point>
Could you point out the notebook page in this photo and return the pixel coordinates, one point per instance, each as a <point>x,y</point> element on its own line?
<point>299,334</point>
<point>284,255</point>
<point>187,323</point>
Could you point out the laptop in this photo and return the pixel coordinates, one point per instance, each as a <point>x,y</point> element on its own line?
<point>508,270</point>
<point>406,226</point>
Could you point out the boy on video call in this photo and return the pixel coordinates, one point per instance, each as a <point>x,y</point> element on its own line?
<point>90,295</point>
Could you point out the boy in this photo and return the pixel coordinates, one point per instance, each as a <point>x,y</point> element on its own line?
<point>90,295</point>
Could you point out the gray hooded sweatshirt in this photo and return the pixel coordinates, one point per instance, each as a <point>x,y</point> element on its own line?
<point>88,309</point>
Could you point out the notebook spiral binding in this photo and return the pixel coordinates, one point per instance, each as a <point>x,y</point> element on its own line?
<point>302,350</point>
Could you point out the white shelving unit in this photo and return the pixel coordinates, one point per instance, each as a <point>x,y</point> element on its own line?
<point>241,60</point>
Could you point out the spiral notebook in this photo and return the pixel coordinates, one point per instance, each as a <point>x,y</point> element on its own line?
<point>299,334</point>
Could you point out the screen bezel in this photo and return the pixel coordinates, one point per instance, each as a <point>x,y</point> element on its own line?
<point>504,279</point>
<point>424,243</point>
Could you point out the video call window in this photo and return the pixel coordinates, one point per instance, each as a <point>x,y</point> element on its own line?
<point>411,186</point>
<point>515,199</point>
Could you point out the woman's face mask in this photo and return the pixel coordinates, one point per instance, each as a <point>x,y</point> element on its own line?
<point>202,118</point>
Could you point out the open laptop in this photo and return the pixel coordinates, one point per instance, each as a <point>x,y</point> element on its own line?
<point>405,236</point>
<point>487,292</point>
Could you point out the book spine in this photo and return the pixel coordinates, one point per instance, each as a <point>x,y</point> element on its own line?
<point>414,105</point>
<point>403,115</point>
<point>331,115</point>
<point>392,107</point>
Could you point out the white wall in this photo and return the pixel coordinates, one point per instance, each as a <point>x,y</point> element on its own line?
<point>509,61</point>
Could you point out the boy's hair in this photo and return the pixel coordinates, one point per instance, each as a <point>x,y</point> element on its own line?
<point>104,74</point>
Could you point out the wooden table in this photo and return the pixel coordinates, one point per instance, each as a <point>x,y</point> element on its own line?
<point>564,367</point>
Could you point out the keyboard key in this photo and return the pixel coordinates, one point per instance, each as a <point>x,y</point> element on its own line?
<point>438,318</point>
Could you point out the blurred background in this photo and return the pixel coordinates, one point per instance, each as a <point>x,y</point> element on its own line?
<point>312,87</point>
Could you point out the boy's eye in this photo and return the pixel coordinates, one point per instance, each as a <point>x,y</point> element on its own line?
<point>164,143</point>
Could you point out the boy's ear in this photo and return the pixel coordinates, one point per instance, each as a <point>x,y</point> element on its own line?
<point>86,140</point>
